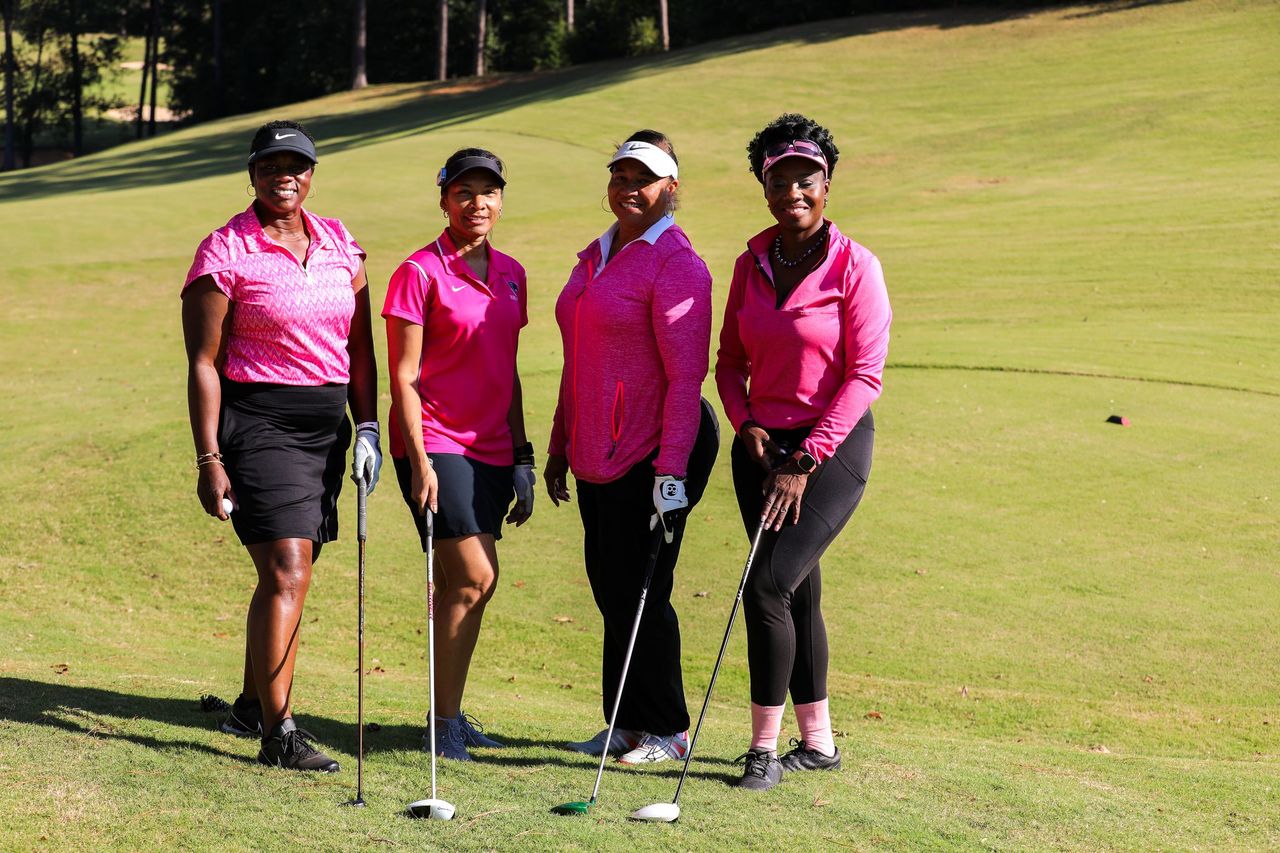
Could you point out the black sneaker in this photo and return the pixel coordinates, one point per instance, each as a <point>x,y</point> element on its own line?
<point>804,758</point>
<point>762,771</point>
<point>290,747</point>
<point>244,719</point>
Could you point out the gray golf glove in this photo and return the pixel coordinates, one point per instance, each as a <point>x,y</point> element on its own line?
<point>669,503</point>
<point>524,480</point>
<point>366,456</point>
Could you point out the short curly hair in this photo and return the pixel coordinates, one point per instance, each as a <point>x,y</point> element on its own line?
<point>787,128</point>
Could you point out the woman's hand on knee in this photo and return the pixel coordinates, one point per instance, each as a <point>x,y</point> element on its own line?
<point>783,493</point>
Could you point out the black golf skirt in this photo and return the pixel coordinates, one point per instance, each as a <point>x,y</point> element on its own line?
<point>284,448</point>
<point>474,497</point>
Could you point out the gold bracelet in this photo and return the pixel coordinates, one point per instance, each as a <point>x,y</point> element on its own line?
<point>209,461</point>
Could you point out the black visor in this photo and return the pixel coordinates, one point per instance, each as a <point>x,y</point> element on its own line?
<point>451,171</point>
<point>276,139</point>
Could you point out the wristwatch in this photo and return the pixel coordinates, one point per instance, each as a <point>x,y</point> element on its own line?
<point>804,461</point>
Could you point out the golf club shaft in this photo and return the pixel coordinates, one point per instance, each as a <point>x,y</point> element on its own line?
<point>431,646</point>
<point>362,495</point>
<point>724,644</point>
<point>654,549</point>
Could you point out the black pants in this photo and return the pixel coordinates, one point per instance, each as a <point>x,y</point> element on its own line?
<point>616,543</point>
<point>786,636</point>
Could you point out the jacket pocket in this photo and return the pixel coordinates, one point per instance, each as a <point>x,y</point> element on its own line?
<point>615,418</point>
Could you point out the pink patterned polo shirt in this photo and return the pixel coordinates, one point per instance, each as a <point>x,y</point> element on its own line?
<point>289,321</point>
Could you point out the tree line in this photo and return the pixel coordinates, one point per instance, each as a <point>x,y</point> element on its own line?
<point>233,57</point>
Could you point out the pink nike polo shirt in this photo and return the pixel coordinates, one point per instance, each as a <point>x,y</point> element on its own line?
<point>470,336</point>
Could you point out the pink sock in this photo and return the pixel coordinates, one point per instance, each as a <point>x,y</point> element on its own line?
<point>766,722</point>
<point>815,727</point>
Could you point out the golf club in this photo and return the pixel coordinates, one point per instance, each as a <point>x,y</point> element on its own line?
<point>670,812</point>
<point>431,808</point>
<point>580,807</point>
<point>362,496</point>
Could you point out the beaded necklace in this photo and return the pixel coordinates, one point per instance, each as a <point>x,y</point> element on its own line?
<point>777,249</point>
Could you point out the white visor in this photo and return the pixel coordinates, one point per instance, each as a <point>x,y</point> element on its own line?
<point>654,158</point>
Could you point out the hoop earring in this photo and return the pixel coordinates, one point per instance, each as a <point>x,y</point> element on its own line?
<point>249,190</point>
<point>604,204</point>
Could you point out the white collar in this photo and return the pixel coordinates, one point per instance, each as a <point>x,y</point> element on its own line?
<point>650,236</point>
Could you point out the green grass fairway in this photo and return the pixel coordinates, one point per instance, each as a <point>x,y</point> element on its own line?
<point>1048,632</point>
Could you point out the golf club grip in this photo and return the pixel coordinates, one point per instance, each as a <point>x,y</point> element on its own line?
<point>724,644</point>
<point>362,500</point>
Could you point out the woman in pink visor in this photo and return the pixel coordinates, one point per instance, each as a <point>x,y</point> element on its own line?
<point>804,340</point>
<point>454,311</point>
<point>275,314</point>
<point>635,319</point>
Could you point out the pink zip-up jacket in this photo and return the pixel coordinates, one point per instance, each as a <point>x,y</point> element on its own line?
<point>636,335</point>
<point>817,360</point>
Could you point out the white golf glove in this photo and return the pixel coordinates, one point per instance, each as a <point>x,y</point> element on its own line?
<point>524,480</point>
<point>366,456</point>
<point>670,504</point>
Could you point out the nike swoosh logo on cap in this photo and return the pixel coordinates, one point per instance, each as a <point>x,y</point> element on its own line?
<point>285,135</point>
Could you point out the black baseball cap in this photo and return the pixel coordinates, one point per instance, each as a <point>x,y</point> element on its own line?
<point>270,140</point>
<point>451,170</point>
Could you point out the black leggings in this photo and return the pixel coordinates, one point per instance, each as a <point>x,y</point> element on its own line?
<point>786,637</point>
<point>616,538</point>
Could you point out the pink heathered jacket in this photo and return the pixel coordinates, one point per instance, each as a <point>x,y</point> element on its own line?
<point>817,360</point>
<point>636,339</point>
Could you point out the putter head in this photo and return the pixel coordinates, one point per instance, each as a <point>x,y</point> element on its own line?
<point>357,803</point>
<point>431,809</point>
<point>571,808</point>
<point>658,813</point>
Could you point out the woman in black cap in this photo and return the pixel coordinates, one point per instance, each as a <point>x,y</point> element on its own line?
<point>275,314</point>
<point>454,311</point>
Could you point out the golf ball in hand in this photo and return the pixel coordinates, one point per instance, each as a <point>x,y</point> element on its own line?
<point>227,505</point>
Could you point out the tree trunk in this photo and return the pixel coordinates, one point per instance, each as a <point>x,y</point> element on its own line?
<point>217,57</point>
<point>482,16</point>
<point>77,82</point>
<point>666,35</point>
<point>147,62</point>
<point>29,114</point>
<point>8,9</point>
<point>155,65</point>
<point>359,62</point>
<point>442,64</point>
<point>568,15</point>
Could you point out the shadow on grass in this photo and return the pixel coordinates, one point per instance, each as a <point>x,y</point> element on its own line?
<point>397,111</point>
<point>92,711</point>
<point>95,712</point>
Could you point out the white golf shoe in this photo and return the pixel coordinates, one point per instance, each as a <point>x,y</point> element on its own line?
<point>655,748</point>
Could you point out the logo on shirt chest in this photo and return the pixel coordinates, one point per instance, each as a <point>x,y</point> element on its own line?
<point>515,291</point>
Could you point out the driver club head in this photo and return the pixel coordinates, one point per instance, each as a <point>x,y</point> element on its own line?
<point>574,808</point>
<point>431,809</point>
<point>658,813</point>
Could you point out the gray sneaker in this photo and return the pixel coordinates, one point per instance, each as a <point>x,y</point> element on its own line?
<point>473,733</point>
<point>763,770</point>
<point>623,740</point>
<point>449,740</point>
<point>801,757</point>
